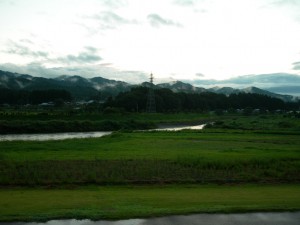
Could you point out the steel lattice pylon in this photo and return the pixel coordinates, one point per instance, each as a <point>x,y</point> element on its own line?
<point>151,107</point>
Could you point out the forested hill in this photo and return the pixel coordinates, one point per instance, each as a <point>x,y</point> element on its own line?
<point>169,101</point>
<point>79,87</point>
<point>99,88</point>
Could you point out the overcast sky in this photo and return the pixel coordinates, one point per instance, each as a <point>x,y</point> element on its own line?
<point>129,39</point>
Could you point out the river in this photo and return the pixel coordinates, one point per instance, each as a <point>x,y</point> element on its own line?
<point>72,135</point>
<point>282,218</point>
<point>180,127</point>
<point>52,136</point>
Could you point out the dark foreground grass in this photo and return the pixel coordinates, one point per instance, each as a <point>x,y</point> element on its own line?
<point>114,172</point>
<point>119,202</point>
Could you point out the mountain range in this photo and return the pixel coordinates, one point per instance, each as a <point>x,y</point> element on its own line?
<point>280,83</point>
<point>79,87</point>
<point>84,88</point>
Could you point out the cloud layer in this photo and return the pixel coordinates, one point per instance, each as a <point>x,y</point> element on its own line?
<point>19,49</point>
<point>296,65</point>
<point>157,21</point>
<point>85,57</point>
<point>174,39</point>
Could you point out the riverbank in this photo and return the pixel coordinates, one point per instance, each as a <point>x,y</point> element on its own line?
<point>35,122</point>
<point>120,202</point>
<point>256,218</point>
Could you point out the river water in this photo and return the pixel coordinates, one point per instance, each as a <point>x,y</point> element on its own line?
<point>177,128</point>
<point>283,218</point>
<point>54,136</point>
<point>72,135</point>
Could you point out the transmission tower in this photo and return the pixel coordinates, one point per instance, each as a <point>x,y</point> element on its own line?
<point>151,107</point>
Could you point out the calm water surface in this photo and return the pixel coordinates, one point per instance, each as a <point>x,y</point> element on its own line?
<point>71,135</point>
<point>285,218</point>
<point>176,128</point>
<point>54,136</point>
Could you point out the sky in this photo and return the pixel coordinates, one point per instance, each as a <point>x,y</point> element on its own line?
<point>129,39</point>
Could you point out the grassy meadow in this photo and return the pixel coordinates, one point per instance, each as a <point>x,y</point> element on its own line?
<point>154,157</point>
<point>236,164</point>
<point>120,202</point>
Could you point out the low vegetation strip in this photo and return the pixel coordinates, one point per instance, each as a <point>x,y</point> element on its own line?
<point>60,172</point>
<point>52,126</point>
<point>116,202</point>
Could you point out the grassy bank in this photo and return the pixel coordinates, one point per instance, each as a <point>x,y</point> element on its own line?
<point>38,122</point>
<point>48,122</point>
<point>53,126</point>
<point>213,156</point>
<point>143,201</point>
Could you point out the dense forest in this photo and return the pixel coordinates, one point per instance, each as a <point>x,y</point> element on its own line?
<point>168,101</point>
<point>23,97</point>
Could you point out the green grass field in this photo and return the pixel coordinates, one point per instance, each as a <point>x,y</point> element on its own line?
<point>154,157</point>
<point>207,144</point>
<point>116,202</point>
<point>239,164</point>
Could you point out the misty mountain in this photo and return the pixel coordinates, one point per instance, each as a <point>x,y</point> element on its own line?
<point>255,90</point>
<point>178,86</point>
<point>79,87</point>
<point>83,88</point>
<point>188,88</point>
<point>252,90</point>
<point>275,78</point>
<point>290,90</point>
<point>224,90</point>
<point>282,83</point>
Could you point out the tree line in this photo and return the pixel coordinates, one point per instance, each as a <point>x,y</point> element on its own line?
<point>22,97</point>
<point>168,101</point>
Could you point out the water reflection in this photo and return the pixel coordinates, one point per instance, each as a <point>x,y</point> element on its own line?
<point>71,135</point>
<point>54,136</point>
<point>285,218</point>
<point>177,128</point>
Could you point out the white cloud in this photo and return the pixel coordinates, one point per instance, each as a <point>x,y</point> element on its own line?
<point>114,3</point>
<point>85,57</point>
<point>157,21</point>
<point>296,66</point>
<point>23,50</point>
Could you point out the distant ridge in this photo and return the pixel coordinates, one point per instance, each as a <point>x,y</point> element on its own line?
<point>280,83</point>
<point>178,86</point>
<point>266,80</point>
<point>79,87</point>
<point>84,88</point>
